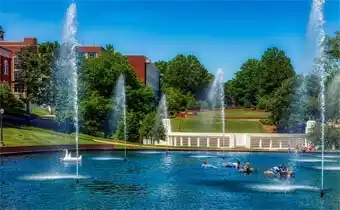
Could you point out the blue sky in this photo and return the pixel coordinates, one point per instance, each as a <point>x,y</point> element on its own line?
<point>221,33</point>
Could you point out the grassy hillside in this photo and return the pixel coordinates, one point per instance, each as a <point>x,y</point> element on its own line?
<point>201,125</point>
<point>24,136</point>
<point>236,113</point>
<point>237,121</point>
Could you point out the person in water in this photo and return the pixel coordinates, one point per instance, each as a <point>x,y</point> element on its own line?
<point>246,168</point>
<point>233,165</point>
<point>237,166</point>
<point>204,164</point>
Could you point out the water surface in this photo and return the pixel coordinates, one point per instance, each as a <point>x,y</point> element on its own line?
<point>157,181</point>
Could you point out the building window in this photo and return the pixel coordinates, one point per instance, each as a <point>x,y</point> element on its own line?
<point>92,55</point>
<point>6,72</point>
<point>81,54</point>
<point>19,88</point>
<point>17,74</point>
<point>16,63</point>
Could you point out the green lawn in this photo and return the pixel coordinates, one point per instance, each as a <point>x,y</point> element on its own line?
<point>39,111</point>
<point>26,136</point>
<point>209,125</point>
<point>240,113</point>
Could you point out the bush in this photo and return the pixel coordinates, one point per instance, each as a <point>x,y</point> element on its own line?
<point>264,103</point>
<point>7,98</point>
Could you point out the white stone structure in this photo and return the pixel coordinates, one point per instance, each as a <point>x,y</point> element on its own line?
<point>265,141</point>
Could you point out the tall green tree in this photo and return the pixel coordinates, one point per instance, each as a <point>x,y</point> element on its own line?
<point>36,64</point>
<point>245,85</point>
<point>152,128</point>
<point>98,79</point>
<point>276,67</point>
<point>281,100</point>
<point>186,74</point>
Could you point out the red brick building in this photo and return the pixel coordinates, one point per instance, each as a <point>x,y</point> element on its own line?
<point>146,71</point>
<point>89,51</point>
<point>5,65</point>
<point>15,47</point>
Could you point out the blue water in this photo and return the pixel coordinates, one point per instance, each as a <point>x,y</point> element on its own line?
<point>156,181</point>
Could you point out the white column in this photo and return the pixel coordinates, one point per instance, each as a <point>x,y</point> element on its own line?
<point>181,140</point>
<point>208,142</point>
<point>231,142</point>
<point>175,140</point>
<point>218,142</point>
<point>280,144</point>
<point>189,141</point>
<point>260,143</point>
<point>247,139</point>
<point>198,141</point>
<point>270,144</point>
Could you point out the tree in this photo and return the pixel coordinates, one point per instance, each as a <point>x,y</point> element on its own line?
<point>94,113</point>
<point>275,68</point>
<point>7,99</point>
<point>152,128</point>
<point>186,74</point>
<point>281,100</point>
<point>106,68</point>
<point>132,128</point>
<point>245,86</point>
<point>175,100</point>
<point>36,64</point>
<point>46,93</point>
<point>332,136</point>
<point>333,46</point>
<point>162,66</point>
<point>97,98</point>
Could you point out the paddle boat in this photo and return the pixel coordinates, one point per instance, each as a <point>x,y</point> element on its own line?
<point>69,158</point>
<point>281,171</point>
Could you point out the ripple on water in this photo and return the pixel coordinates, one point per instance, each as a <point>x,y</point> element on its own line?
<point>41,177</point>
<point>329,156</point>
<point>107,158</point>
<point>311,160</point>
<point>328,168</point>
<point>281,188</point>
<point>201,156</point>
<point>150,152</point>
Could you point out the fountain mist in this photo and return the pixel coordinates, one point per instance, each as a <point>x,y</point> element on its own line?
<point>316,24</point>
<point>120,105</point>
<point>66,72</point>
<point>216,97</point>
<point>162,117</point>
<point>162,110</point>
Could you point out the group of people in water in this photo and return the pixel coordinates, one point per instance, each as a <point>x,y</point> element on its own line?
<point>281,170</point>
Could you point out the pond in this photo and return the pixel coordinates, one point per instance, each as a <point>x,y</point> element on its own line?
<point>154,180</point>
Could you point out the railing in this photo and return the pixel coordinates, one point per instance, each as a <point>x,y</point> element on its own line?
<point>232,140</point>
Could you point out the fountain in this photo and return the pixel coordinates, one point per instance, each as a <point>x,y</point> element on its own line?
<point>120,105</point>
<point>216,98</point>
<point>316,24</point>
<point>67,75</point>
<point>162,116</point>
